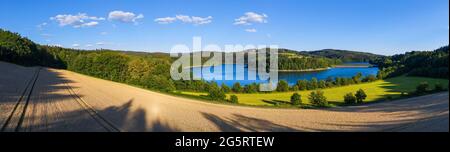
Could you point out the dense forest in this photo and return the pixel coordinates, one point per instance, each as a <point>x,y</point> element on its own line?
<point>344,55</point>
<point>340,55</point>
<point>291,60</point>
<point>15,49</point>
<point>416,63</point>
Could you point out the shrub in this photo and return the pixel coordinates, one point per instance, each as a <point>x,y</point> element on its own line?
<point>322,84</point>
<point>294,88</point>
<point>159,83</point>
<point>234,99</point>
<point>225,88</point>
<point>380,75</point>
<point>302,84</point>
<point>251,88</point>
<point>422,88</point>
<point>282,86</point>
<point>215,93</point>
<point>438,87</point>
<point>349,98</point>
<point>360,96</point>
<point>296,99</point>
<point>237,88</point>
<point>369,78</point>
<point>389,98</point>
<point>313,84</point>
<point>318,99</point>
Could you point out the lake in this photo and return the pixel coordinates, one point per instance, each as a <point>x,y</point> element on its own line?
<point>290,77</point>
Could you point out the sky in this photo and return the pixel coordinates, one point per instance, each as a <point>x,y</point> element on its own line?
<point>378,26</point>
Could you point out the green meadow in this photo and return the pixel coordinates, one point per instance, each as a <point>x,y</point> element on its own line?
<point>389,89</point>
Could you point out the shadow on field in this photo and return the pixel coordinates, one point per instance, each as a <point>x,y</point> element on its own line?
<point>130,120</point>
<point>239,123</point>
<point>277,102</point>
<point>436,123</point>
<point>53,108</point>
<point>46,87</point>
<point>122,117</point>
<point>18,82</point>
<point>428,104</point>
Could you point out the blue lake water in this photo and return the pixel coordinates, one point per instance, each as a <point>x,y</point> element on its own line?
<point>290,77</point>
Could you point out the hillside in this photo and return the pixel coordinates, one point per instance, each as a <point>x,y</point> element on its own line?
<point>17,49</point>
<point>416,63</point>
<point>344,55</point>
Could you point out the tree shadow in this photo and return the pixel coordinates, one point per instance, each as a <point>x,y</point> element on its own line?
<point>122,118</point>
<point>277,102</point>
<point>18,82</point>
<point>239,123</point>
<point>437,123</point>
<point>130,120</point>
<point>54,108</point>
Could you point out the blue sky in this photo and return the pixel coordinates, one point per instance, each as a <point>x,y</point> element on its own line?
<point>378,26</point>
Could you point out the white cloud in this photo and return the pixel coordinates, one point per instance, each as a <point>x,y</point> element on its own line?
<point>103,33</point>
<point>125,17</point>
<point>76,45</point>
<point>185,19</point>
<point>199,20</point>
<point>251,30</point>
<point>42,25</point>
<point>46,35</point>
<point>100,43</point>
<point>194,19</point>
<point>88,45</point>
<point>165,20</point>
<point>77,21</point>
<point>251,17</point>
<point>89,24</point>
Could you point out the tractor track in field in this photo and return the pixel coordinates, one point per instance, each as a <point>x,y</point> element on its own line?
<point>24,94</point>
<point>92,112</point>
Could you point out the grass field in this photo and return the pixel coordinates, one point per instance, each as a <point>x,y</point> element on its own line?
<point>376,91</point>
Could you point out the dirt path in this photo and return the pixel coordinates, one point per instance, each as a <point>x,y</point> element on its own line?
<point>54,107</point>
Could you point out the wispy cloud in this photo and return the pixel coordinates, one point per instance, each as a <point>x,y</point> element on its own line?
<point>251,30</point>
<point>250,18</point>
<point>165,20</point>
<point>195,20</point>
<point>125,17</point>
<point>46,35</point>
<point>42,25</point>
<point>77,21</point>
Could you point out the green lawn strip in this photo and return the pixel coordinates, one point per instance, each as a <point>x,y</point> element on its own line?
<point>388,89</point>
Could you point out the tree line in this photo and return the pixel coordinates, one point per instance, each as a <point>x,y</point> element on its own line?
<point>416,63</point>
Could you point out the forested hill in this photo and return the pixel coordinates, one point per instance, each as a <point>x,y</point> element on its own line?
<point>19,50</point>
<point>344,55</point>
<point>416,63</point>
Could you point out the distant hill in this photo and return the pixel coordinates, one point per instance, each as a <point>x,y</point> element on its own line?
<point>344,55</point>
